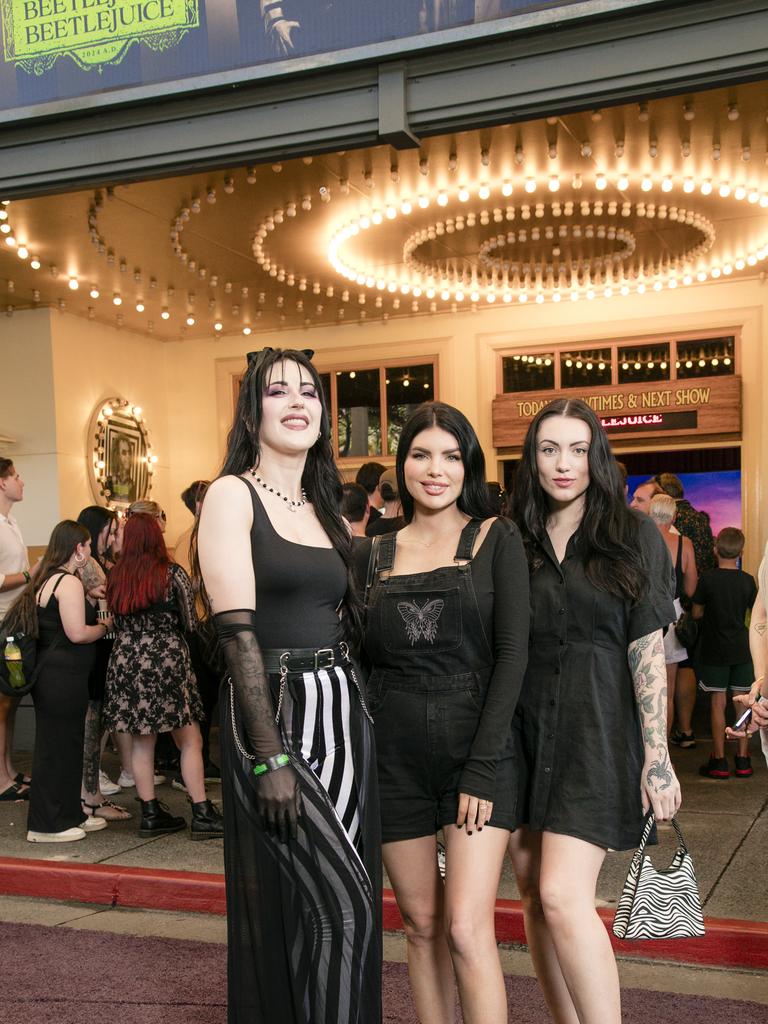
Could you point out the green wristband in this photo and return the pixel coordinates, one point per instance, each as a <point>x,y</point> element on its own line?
<point>271,764</point>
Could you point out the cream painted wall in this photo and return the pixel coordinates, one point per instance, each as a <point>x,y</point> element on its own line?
<point>27,414</point>
<point>467,346</point>
<point>92,362</point>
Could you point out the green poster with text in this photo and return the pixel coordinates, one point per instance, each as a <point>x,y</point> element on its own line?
<point>94,33</point>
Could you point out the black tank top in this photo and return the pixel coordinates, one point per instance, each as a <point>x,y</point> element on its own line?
<point>298,587</point>
<point>679,578</point>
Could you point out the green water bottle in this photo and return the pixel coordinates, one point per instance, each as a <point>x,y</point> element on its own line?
<point>14,663</point>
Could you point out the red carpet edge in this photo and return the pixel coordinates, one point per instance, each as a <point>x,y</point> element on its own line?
<point>728,943</point>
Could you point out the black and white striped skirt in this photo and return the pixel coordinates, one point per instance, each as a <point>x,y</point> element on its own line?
<point>304,917</point>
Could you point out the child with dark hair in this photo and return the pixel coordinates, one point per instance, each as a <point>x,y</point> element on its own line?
<point>723,601</point>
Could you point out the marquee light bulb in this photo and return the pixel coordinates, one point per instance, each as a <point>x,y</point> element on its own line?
<point>22,252</point>
<point>530,184</point>
<point>506,188</point>
<point>190,321</point>
<point>724,190</point>
<point>117,299</point>
<point>423,202</point>
<point>34,263</point>
<point>622,183</point>
<point>406,207</point>
<point>218,326</point>
<point>666,185</point>
<point>246,331</point>
<point>442,199</point>
<point>647,184</point>
<point>94,292</point>
<point>74,284</point>
<point>484,191</point>
<point>139,306</point>
<point>689,185</point>
<point>601,182</point>
<point>165,314</point>
<point>739,192</point>
<point>463,194</point>
<point>554,183</point>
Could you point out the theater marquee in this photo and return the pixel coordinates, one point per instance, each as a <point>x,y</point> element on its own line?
<point>668,409</point>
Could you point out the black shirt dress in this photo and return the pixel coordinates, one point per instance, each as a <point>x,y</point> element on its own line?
<point>577,722</point>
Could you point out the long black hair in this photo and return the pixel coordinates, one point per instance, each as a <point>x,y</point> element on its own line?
<point>473,500</point>
<point>320,479</point>
<point>608,529</point>
<point>94,518</point>
<point>22,615</point>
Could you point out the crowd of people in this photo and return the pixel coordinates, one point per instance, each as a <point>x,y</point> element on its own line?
<point>411,655</point>
<point>114,617</point>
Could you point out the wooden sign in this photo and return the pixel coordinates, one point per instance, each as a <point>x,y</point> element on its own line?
<point>702,406</point>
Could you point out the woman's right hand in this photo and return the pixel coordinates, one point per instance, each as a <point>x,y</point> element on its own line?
<point>108,622</point>
<point>277,798</point>
<point>759,719</point>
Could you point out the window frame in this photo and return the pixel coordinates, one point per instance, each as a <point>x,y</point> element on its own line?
<point>673,338</point>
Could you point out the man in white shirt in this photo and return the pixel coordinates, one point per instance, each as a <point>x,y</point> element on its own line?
<point>14,575</point>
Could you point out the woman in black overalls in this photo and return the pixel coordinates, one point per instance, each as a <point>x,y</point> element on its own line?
<point>447,639</point>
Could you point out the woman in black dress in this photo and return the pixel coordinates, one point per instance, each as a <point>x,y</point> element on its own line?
<point>591,719</point>
<point>301,846</point>
<point>53,607</point>
<point>151,688</point>
<point>447,637</point>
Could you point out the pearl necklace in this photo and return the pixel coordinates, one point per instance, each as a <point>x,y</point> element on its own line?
<point>292,505</point>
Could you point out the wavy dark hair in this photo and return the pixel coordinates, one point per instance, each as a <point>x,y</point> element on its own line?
<point>94,518</point>
<point>22,615</point>
<point>320,479</point>
<point>609,529</point>
<point>473,500</point>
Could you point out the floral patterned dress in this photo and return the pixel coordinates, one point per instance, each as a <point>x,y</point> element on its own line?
<point>151,687</point>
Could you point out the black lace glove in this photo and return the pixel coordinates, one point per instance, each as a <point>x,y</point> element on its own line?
<point>277,791</point>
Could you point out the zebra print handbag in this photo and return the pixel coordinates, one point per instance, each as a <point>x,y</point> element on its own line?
<point>659,903</point>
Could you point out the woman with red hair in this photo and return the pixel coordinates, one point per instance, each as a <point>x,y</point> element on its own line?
<point>151,687</point>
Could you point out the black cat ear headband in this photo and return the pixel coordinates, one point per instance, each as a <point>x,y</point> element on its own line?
<point>255,359</point>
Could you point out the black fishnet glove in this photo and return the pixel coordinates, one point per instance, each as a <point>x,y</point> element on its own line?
<point>277,791</point>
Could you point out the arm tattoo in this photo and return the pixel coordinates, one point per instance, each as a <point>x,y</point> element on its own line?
<point>760,628</point>
<point>646,662</point>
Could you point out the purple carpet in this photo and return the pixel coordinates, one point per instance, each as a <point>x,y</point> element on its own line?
<point>67,976</point>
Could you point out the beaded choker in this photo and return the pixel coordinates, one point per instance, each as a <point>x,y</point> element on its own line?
<point>292,505</point>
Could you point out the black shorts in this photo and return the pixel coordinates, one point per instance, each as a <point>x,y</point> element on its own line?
<point>423,740</point>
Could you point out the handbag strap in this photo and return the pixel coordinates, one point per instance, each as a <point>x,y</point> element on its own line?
<point>57,638</point>
<point>650,821</point>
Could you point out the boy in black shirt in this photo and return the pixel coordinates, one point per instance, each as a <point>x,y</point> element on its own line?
<point>723,599</point>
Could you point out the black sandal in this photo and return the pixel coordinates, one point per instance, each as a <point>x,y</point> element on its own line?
<point>22,779</point>
<point>92,808</point>
<point>15,792</point>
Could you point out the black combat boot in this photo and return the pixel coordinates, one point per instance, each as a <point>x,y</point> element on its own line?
<point>207,822</point>
<point>157,820</point>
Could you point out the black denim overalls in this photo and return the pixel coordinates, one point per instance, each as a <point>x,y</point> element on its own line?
<point>431,662</point>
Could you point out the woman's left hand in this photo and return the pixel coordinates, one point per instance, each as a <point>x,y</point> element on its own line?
<point>473,812</point>
<point>659,785</point>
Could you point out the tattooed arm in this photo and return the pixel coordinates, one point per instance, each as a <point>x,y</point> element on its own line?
<point>660,788</point>
<point>758,648</point>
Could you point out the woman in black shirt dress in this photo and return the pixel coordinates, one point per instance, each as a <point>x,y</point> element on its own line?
<point>591,719</point>
<point>447,637</point>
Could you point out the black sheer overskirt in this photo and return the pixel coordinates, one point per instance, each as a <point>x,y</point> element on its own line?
<point>303,918</point>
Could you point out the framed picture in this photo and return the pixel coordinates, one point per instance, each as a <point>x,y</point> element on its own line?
<point>122,460</point>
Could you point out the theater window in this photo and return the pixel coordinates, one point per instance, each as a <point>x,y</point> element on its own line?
<point>643,364</point>
<point>370,406</point>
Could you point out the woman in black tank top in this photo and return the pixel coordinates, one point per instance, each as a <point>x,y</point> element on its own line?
<point>302,838</point>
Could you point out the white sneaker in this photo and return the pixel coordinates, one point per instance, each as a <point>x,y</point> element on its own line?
<point>70,835</point>
<point>178,784</point>
<point>93,824</point>
<point>106,786</point>
<point>127,781</point>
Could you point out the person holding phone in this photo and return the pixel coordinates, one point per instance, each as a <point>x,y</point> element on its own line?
<point>755,703</point>
<point>447,640</point>
<point>591,721</point>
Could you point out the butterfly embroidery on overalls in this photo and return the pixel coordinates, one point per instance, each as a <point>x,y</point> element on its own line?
<point>421,621</point>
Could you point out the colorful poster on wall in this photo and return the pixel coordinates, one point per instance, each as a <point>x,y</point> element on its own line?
<point>63,49</point>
